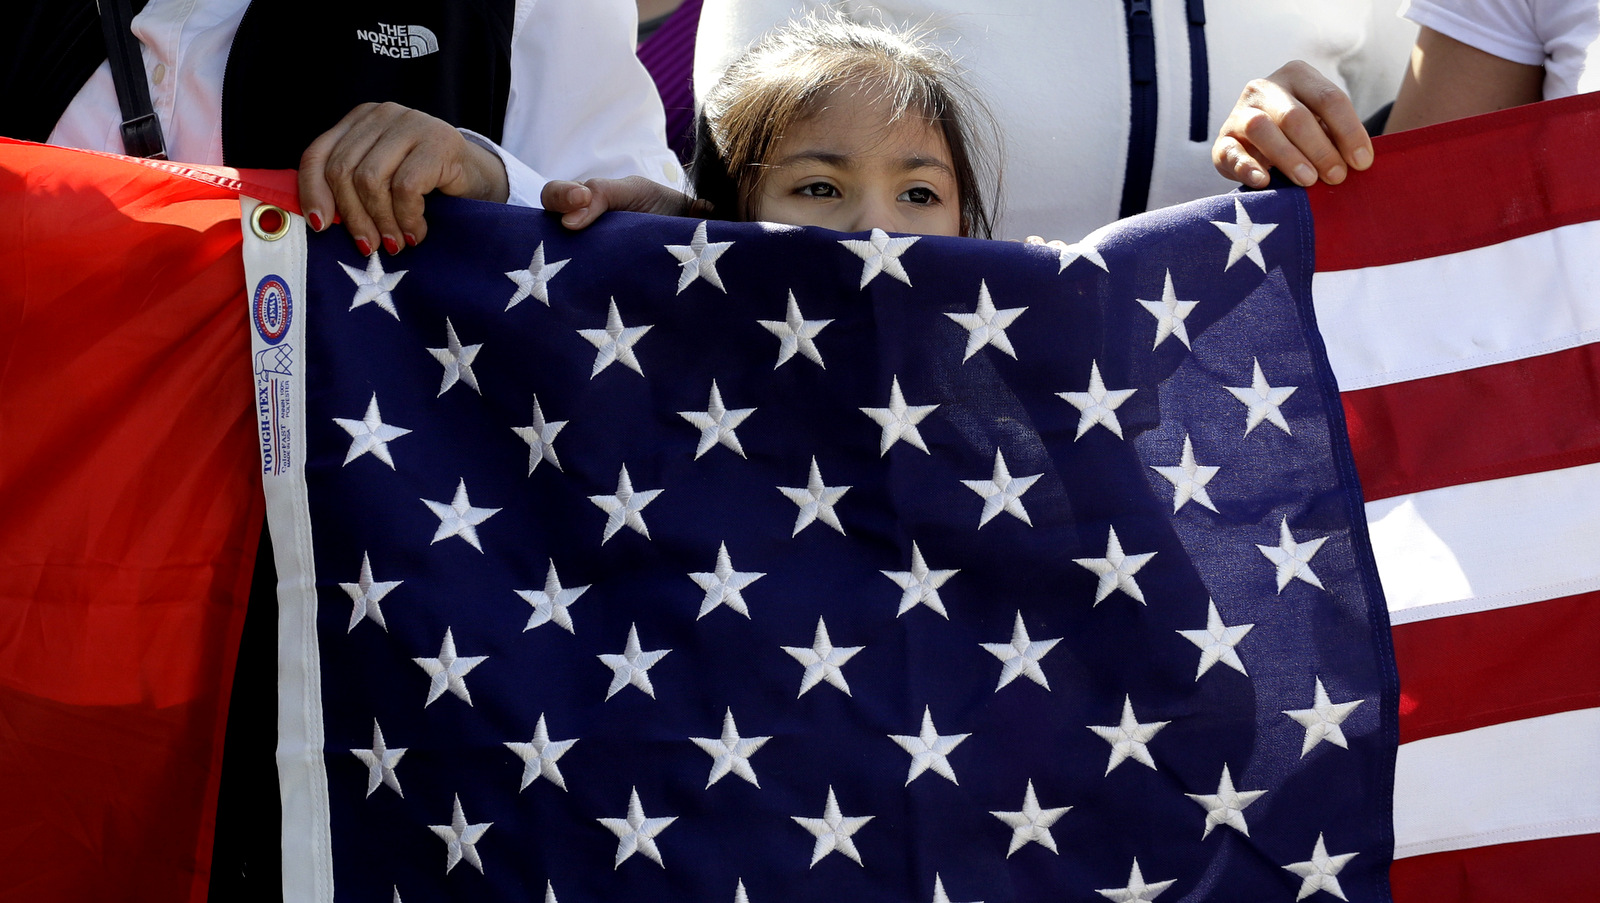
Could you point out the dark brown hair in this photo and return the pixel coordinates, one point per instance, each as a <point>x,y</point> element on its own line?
<point>786,76</point>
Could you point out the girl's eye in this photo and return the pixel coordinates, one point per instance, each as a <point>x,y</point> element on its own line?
<point>919,196</point>
<point>819,190</point>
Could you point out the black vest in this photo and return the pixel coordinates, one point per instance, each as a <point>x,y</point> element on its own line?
<point>296,68</point>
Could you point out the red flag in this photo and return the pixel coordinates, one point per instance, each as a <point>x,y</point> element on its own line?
<point>132,511</point>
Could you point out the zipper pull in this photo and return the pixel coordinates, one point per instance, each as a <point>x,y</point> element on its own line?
<point>1141,42</point>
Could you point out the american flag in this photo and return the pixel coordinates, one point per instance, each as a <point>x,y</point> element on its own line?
<point>1460,302</point>
<point>681,560</point>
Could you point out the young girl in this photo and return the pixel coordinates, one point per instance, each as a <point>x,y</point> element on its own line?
<point>829,123</point>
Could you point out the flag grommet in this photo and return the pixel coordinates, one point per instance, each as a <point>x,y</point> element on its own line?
<point>269,223</point>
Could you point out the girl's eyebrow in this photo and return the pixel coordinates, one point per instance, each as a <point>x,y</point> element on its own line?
<point>845,161</point>
<point>910,163</point>
<point>828,158</point>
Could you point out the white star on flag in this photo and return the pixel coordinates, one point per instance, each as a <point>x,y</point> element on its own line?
<point>716,424</point>
<point>1098,405</point>
<point>1002,492</point>
<point>730,753</point>
<point>1021,656</point>
<point>1293,559</point>
<point>1226,806</point>
<point>459,518</point>
<point>699,259</point>
<point>374,285</point>
<point>796,334</point>
<point>833,830</point>
<point>986,325</point>
<point>366,593</point>
<point>540,436</point>
<point>1129,739</point>
<point>939,896</point>
<point>1137,890</point>
<point>1170,314</point>
<point>1263,401</point>
<point>1320,872</point>
<point>625,507</point>
<point>1322,721</point>
<point>457,360</point>
<point>920,585</point>
<point>551,603</point>
<point>1031,824</point>
<point>380,761</point>
<point>1217,642</point>
<point>636,833</point>
<point>534,281</point>
<point>370,434</point>
<point>823,661</point>
<point>448,671</point>
<point>539,756</point>
<point>929,751</point>
<point>633,665</point>
<point>724,585</point>
<point>1116,570</point>
<point>1086,248</point>
<point>1246,237</point>
<point>461,839</point>
<point>881,254</point>
<point>899,420</point>
<point>816,501</point>
<point>739,895</point>
<point>1188,479</point>
<point>614,343</point>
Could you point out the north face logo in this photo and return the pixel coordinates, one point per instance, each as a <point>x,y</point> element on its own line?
<point>401,42</point>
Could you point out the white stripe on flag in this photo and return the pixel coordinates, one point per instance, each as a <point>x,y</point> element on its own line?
<point>1455,312</point>
<point>1522,780</point>
<point>1492,544</point>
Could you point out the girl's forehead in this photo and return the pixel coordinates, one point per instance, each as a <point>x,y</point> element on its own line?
<point>864,121</point>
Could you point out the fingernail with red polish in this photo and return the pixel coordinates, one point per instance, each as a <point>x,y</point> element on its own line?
<point>390,245</point>
<point>411,240</point>
<point>363,247</point>
<point>316,220</point>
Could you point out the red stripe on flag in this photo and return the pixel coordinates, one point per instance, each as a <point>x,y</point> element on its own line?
<point>129,469</point>
<point>1474,670</point>
<point>1479,198</point>
<point>1558,868</point>
<point>1521,417</point>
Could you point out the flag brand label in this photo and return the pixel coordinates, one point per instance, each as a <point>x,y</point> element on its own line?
<point>274,393</point>
<point>271,309</point>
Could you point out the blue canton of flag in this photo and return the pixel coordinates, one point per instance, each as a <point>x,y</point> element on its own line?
<point>707,561</point>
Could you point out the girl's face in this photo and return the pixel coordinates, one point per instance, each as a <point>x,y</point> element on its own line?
<point>848,169</point>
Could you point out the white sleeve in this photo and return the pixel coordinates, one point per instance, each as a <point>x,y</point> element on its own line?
<point>581,104</point>
<point>1504,28</point>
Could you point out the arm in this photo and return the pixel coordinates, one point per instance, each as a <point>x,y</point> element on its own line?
<point>1449,80</point>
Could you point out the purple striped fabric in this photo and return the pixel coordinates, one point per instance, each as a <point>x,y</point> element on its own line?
<point>668,55</point>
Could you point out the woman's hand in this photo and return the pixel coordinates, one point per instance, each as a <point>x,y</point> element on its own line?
<point>1295,120</point>
<point>581,203</point>
<point>375,166</point>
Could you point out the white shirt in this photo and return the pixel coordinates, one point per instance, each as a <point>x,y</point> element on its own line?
<point>1055,74</point>
<point>1560,35</point>
<point>581,105</point>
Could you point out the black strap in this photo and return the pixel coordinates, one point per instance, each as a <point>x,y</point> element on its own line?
<point>141,130</point>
